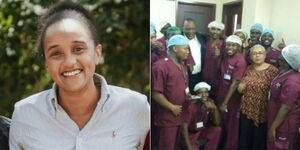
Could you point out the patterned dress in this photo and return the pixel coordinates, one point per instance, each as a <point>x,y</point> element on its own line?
<point>255,96</point>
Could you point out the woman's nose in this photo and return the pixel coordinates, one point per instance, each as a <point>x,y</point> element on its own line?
<point>70,60</point>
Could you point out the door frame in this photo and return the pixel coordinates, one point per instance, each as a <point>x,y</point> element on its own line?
<point>232,4</point>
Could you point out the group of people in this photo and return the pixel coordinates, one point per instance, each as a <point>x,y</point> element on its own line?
<point>226,93</point>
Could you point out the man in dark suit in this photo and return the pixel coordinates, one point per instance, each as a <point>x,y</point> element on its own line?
<point>197,49</point>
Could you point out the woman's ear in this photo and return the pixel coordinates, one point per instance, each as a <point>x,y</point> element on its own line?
<point>98,53</point>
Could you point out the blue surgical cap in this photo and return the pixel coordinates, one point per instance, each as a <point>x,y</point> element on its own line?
<point>258,27</point>
<point>268,31</point>
<point>152,28</point>
<point>177,40</point>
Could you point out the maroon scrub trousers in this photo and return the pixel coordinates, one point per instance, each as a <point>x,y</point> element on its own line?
<point>171,81</point>
<point>232,68</point>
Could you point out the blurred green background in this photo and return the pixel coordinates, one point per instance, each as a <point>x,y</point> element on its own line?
<point>123,31</point>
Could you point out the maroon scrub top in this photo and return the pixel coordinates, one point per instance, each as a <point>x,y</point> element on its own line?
<point>172,82</point>
<point>285,89</point>
<point>157,55</point>
<point>232,68</point>
<point>211,71</point>
<point>164,43</point>
<point>273,57</point>
<point>196,114</point>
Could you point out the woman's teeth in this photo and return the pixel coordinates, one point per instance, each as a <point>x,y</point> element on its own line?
<point>71,73</point>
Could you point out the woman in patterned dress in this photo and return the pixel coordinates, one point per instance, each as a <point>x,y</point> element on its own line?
<point>254,87</point>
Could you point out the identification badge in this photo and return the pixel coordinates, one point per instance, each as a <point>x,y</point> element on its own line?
<point>227,76</point>
<point>199,124</point>
<point>187,91</point>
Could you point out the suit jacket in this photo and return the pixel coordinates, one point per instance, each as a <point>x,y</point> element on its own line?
<point>4,130</point>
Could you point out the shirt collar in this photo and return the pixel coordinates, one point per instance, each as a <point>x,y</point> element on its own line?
<point>99,82</point>
<point>194,39</point>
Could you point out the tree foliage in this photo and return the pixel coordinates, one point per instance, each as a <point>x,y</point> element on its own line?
<point>122,26</point>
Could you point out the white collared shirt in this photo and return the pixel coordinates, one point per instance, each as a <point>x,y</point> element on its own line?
<point>195,47</point>
<point>121,120</point>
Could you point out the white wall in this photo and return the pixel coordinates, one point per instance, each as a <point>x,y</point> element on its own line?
<point>248,14</point>
<point>285,21</point>
<point>162,10</point>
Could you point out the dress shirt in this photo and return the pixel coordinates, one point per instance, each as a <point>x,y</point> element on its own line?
<point>195,47</point>
<point>120,120</point>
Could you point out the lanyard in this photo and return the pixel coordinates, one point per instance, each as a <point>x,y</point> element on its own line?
<point>182,71</point>
<point>201,113</point>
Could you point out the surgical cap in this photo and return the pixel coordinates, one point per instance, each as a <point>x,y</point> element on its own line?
<point>162,24</point>
<point>152,28</point>
<point>173,29</point>
<point>258,27</point>
<point>234,39</point>
<point>268,31</point>
<point>216,24</point>
<point>291,54</point>
<point>201,85</point>
<point>241,31</point>
<point>178,40</point>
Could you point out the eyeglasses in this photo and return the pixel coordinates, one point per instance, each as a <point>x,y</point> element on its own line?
<point>258,53</point>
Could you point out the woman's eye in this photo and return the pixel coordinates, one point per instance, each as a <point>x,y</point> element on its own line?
<point>55,53</point>
<point>78,49</point>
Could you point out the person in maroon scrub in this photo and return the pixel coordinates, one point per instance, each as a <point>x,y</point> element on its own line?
<point>170,91</point>
<point>160,51</point>
<point>273,54</point>
<point>255,34</point>
<point>244,37</point>
<point>202,121</point>
<point>284,103</point>
<point>232,70</point>
<point>164,27</point>
<point>215,49</point>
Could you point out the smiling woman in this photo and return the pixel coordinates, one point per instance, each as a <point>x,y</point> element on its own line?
<point>81,110</point>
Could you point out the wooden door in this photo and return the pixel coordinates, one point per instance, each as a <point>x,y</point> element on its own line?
<point>202,13</point>
<point>232,17</point>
